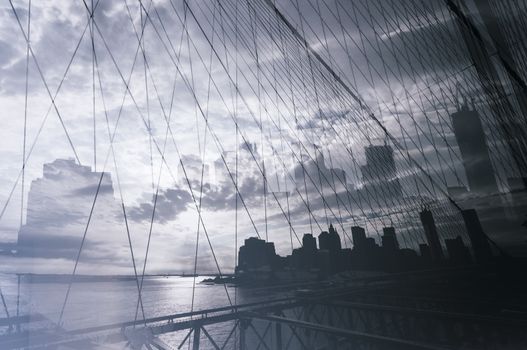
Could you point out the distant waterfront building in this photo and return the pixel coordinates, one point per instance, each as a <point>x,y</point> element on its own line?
<point>329,240</point>
<point>309,242</point>
<point>256,254</point>
<point>58,206</point>
<point>472,144</point>
<point>480,242</point>
<point>389,239</point>
<point>458,252</point>
<point>379,174</point>
<point>427,219</point>
<point>359,236</point>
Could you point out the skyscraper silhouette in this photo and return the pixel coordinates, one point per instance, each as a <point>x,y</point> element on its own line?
<point>329,240</point>
<point>389,239</point>
<point>380,172</point>
<point>309,243</point>
<point>480,242</point>
<point>472,143</point>
<point>427,219</point>
<point>359,237</point>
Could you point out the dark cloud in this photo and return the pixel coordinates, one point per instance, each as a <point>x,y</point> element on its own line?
<point>170,203</point>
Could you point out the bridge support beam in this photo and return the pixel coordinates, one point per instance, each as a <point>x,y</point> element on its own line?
<point>244,324</point>
<point>197,334</point>
<point>278,333</point>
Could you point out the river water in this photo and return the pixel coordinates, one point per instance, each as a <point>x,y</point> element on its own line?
<point>103,302</point>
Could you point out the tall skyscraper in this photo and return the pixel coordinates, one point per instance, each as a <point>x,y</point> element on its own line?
<point>427,219</point>
<point>309,243</point>
<point>329,240</point>
<point>359,237</point>
<point>472,144</point>
<point>480,242</point>
<point>389,239</point>
<point>380,173</point>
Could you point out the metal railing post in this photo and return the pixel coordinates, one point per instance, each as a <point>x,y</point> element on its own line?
<point>197,334</point>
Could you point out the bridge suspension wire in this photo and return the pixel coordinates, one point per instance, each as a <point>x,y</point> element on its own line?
<point>125,217</point>
<point>79,252</point>
<point>45,117</point>
<point>290,80</point>
<point>337,38</point>
<point>41,74</point>
<point>24,140</point>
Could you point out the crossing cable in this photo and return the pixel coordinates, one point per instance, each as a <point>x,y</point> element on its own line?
<point>282,146</point>
<point>319,111</point>
<point>491,86</point>
<point>45,117</point>
<point>215,137</point>
<point>355,97</point>
<point>254,158</point>
<point>499,154</point>
<point>413,76</point>
<point>156,193</point>
<point>93,91</point>
<point>255,120</point>
<point>147,95</point>
<point>127,82</point>
<point>6,309</point>
<point>489,120</point>
<point>168,125</point>
<point>25,116</point>
<point>385,81</point>
<point>253,31</point>
<point>389,196</point>
<point>438,54</point>
<point>315,183</point>
<point>50,95</point>
<point>390,88</point>
<point>119,186</point>
<point>361,50</point>
<point>202,154</point>
<point>332,125</point>
<point>295,114</point>
<point>301,162</point>
<point>180,158</point>
<point>217,141</point>
<point>428,85</point>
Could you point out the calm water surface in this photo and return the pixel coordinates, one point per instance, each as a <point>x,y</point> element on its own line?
<point>99,303</point>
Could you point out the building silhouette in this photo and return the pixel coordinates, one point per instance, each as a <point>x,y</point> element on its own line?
<point>472,144</point>
<point>309,243</point>
<point>329,240</point>
<point>359,237</point>
<point>256,254</point>
<point>427,219</point>
<point>379,174</point>
<point>478,239</point>
<point>389,239</point>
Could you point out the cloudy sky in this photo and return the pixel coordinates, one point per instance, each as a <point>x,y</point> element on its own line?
<point>199,102</point>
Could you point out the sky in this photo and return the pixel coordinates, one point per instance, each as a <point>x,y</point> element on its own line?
<point>240,95</point>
